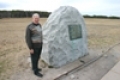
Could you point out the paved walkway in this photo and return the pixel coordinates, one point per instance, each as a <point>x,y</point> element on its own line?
<point>114,73</point>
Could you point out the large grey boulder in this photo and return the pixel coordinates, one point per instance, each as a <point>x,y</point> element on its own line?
<point>64,37</point>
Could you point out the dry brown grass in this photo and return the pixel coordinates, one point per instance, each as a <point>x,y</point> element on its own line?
<point>102,33</point>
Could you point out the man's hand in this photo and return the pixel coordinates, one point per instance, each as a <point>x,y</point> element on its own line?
<point>31,51</point>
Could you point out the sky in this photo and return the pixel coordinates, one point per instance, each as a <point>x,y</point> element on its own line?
<point>85,7</point>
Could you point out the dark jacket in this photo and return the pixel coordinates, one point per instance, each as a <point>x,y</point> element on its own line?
<point>33,36</point>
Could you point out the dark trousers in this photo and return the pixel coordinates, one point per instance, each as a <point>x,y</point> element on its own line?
<point>35,58</point>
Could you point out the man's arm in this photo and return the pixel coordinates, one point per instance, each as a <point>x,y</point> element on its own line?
<point>28,38</point>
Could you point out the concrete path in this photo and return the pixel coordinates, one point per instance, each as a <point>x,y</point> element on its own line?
<point>114,73</point>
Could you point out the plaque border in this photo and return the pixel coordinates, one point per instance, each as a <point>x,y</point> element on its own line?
<point>70,32</point>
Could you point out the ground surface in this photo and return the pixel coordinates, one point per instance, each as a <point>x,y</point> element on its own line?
<point>99,68</point>
<point>102,33</point>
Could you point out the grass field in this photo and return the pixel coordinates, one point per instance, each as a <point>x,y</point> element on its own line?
<point>102,33</point>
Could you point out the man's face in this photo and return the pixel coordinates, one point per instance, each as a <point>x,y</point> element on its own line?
<point>35,19</point>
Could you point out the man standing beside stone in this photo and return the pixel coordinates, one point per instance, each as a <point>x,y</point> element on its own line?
<point>34,42</point>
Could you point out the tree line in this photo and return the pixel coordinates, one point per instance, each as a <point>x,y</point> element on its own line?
<point>27,14</point>
<point>101,16</point>
<point>21,14</point>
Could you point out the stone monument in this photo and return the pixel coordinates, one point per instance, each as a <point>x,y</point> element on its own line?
<point>64,37</point>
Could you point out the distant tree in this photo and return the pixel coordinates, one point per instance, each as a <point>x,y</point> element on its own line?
<point>87,16</point>
<point>0,15</point>
<point>99,16</point>
<point>113,17</point>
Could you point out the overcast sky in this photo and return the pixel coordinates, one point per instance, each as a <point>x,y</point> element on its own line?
<point>90,7</point>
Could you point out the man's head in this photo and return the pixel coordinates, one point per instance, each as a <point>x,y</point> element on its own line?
<point>35,18</point>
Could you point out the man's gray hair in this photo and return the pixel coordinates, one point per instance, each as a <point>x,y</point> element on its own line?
<point>35,14</point>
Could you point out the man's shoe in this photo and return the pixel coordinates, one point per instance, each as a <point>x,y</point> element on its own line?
<point>38,74</point>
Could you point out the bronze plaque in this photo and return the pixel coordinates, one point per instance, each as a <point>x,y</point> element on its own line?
<point>75,31</point>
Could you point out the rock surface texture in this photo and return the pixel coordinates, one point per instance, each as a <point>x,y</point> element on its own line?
<point>64,37</point>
